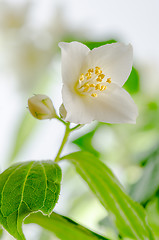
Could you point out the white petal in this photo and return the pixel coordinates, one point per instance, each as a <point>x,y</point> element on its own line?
<point>73,55</point>
<point>76,107</point>
<point>114,105</point>
<point>115,59</point>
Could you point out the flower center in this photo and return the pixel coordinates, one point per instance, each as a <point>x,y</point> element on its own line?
<point>93,82</point>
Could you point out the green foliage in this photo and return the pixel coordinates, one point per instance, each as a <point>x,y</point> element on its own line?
<point>85,143</point>
<point>148,184</point>
<point>132,85</point>
<point>107,223</point>
<point>150,114</point>
<point>153,215</point>
<point>129,216</point>
<point>92,45</point>
<point>89,44</point>
<point>27,187</point>
<point>63,227</point>
<point>1,232</point>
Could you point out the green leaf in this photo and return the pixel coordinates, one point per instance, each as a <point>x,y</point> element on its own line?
<point>63,227</point>
<point>148,184</point>
<point>153,215</point>
<point>85,143</point>
<point>132,85</point>
<point>107,222</point>
<point>92,45</point>
<point>1,232</point>
<point>27,187</point>
<point>145,157</point>
<point>128,215</point>
<point>89,44</point>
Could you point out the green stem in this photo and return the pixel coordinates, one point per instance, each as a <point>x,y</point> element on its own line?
<point>74,128</point>
<point>67,132</point>
<point>60,119</point>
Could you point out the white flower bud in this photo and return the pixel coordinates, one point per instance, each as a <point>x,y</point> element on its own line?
<point>41,107</point>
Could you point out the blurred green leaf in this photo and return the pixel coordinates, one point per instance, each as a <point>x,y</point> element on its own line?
<point>151,153</point>
<point>26,128</point>
<point>92,45</point>
<point>152,106</point>
<point>148,184</point>
<point>1,232</point>
<point>27,187</point>
<point>107,222</point>
<point>150,114</point>
<point>89,44</point>
<point>129,216</point>
<point>85,143</point>
<point>132,85</point>
<point>63,227</point>
<point>45,234</point>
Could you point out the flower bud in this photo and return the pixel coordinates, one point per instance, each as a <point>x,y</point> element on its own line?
<point>41,107</point>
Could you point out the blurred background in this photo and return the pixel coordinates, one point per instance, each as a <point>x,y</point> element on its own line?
<point>30,64</point>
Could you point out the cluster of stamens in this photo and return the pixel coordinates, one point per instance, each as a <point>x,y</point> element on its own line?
<point>93,82</point>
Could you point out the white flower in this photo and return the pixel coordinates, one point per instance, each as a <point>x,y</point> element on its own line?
<point>92,83</point>
<point>41,107</point>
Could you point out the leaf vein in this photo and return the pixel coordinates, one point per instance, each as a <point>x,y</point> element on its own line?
<point>112,197</point>
<point>125,199</point>
<point>45,182</point>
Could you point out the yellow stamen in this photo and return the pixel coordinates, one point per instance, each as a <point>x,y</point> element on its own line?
<point>109,80</point>
<point>81,77</point>
<point>98,70</point>
<point>99,79</point>
<point>86,87</point>
<point>92,80</point>
<point>103,88</point>
<point>94,95</point>
<point>98,86</point>
<point>101,76</point>
<point>91,70</point>
<point>88,75</point>
<point>92,85</point>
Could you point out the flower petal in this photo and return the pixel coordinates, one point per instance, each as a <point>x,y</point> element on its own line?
<point>73,55</point>
<point>76,107</point>
<point>114,105</point>
<point>115,59</point>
